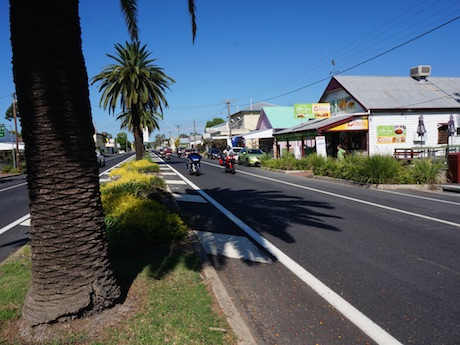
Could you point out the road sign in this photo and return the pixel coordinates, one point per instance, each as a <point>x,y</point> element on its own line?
<point>2,131</point>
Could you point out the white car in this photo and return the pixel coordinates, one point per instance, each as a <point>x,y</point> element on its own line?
<point>237,150</point>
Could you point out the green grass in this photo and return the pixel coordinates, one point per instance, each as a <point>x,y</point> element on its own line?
<point>14,283</point>
<point>174,305</point>
<point>171,301</point>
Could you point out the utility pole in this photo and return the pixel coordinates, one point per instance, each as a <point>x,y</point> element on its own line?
<point>16,129</point>
<point>229,122</point>
<point>194,134</point>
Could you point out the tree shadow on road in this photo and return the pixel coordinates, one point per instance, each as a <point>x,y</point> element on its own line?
<point>270,213</point>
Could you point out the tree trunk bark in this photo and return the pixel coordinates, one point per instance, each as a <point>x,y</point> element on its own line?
<point>71,274</point>
<point>138,135</point>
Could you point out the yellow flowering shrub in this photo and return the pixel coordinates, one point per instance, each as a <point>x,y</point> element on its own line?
<point>133,220</point>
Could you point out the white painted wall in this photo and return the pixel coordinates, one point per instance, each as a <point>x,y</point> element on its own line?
<point>431,122</point>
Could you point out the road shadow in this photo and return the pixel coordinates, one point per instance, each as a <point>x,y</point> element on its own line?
<point>268,213</point>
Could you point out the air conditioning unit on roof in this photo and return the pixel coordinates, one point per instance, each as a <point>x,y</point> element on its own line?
<point>420,72</point>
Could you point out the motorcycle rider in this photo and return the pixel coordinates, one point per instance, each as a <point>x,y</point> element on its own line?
<point>228,154</point>
<point>192,153</point>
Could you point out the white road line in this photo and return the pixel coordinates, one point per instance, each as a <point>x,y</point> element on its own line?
<point>189,198</point>
<point>27,216</point>
<point>175,182</point>
<point>12,187</point>
<point>447,222</point>
<point>374,331</point>
<point>231,246</point>
<point>16,222</point>
<point>419,197</point>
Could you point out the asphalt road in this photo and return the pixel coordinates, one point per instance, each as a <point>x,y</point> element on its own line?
<point>346,264</point>
<point>350,265</point>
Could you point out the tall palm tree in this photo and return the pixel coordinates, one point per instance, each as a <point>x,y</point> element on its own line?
<point>71,274</point>
<point>138,85</point>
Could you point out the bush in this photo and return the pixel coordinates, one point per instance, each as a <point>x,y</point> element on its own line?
<point>426,171</point>
<point>134,221</point>
<point>363,169</point>
<point>382,170</point>
<point>134,224</point>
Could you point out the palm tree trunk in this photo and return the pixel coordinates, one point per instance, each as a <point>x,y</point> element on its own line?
<point>138,135</point>
<point>71,274</point>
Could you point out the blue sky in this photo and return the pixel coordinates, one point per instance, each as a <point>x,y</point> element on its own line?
<point>251,51</point>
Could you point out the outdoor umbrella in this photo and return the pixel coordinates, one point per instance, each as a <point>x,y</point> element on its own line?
<point>451,126</point>
<point>421,130</point>
<point>450,130</point>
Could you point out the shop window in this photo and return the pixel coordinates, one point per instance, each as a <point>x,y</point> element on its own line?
<point>442,134</point>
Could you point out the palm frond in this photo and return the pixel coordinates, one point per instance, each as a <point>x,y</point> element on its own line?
<point>129,9</point>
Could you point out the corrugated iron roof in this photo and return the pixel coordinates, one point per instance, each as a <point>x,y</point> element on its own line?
<point>376,92</point>
<point>314,124</point>
<point>281,117</point>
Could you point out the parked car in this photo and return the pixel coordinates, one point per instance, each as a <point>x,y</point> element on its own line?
<point>250,156</point>
<point>100,158</point>
<point>213,153</point>
<point>236,150</point>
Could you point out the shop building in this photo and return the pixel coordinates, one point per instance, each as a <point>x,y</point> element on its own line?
<point>371,115</point>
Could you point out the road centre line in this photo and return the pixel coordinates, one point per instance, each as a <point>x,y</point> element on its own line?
<point>352,199</point>
<point>374,331</point>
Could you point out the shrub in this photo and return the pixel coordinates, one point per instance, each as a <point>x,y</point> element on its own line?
<point>426,171</point>
<point>134,221</point>
<point>381,169</point>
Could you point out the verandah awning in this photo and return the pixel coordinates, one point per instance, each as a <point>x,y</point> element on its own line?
<point>259,134</point>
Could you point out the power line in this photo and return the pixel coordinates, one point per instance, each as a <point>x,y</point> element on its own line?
<point>367,60</point>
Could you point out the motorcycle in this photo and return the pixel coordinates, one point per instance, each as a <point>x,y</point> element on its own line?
<point>229,163</point>
<point>168,155</point>
<point>193,164</point>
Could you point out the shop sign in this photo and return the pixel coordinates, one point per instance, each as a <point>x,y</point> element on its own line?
<point>359,123</point>
<point>321,146</point>
<point>312,110</point>
<point>343,105</point>
<point>391,134</point>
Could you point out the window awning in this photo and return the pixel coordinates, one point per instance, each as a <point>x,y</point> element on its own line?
<point>313,127</point>
<point>10,146</point>
<point>259,134</point>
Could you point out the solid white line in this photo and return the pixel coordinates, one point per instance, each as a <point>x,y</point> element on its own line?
<point>374,331</point>
<point>353,199</point>
<point>16,222</point>
<point>27,216</point>
<point>15,186</point>
<point>419,197</point>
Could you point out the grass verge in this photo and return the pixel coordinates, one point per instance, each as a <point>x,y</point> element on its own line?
<point>168,303</point>
<point>166,299</point>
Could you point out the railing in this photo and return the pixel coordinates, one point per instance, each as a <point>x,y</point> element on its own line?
<point>439,152</point>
